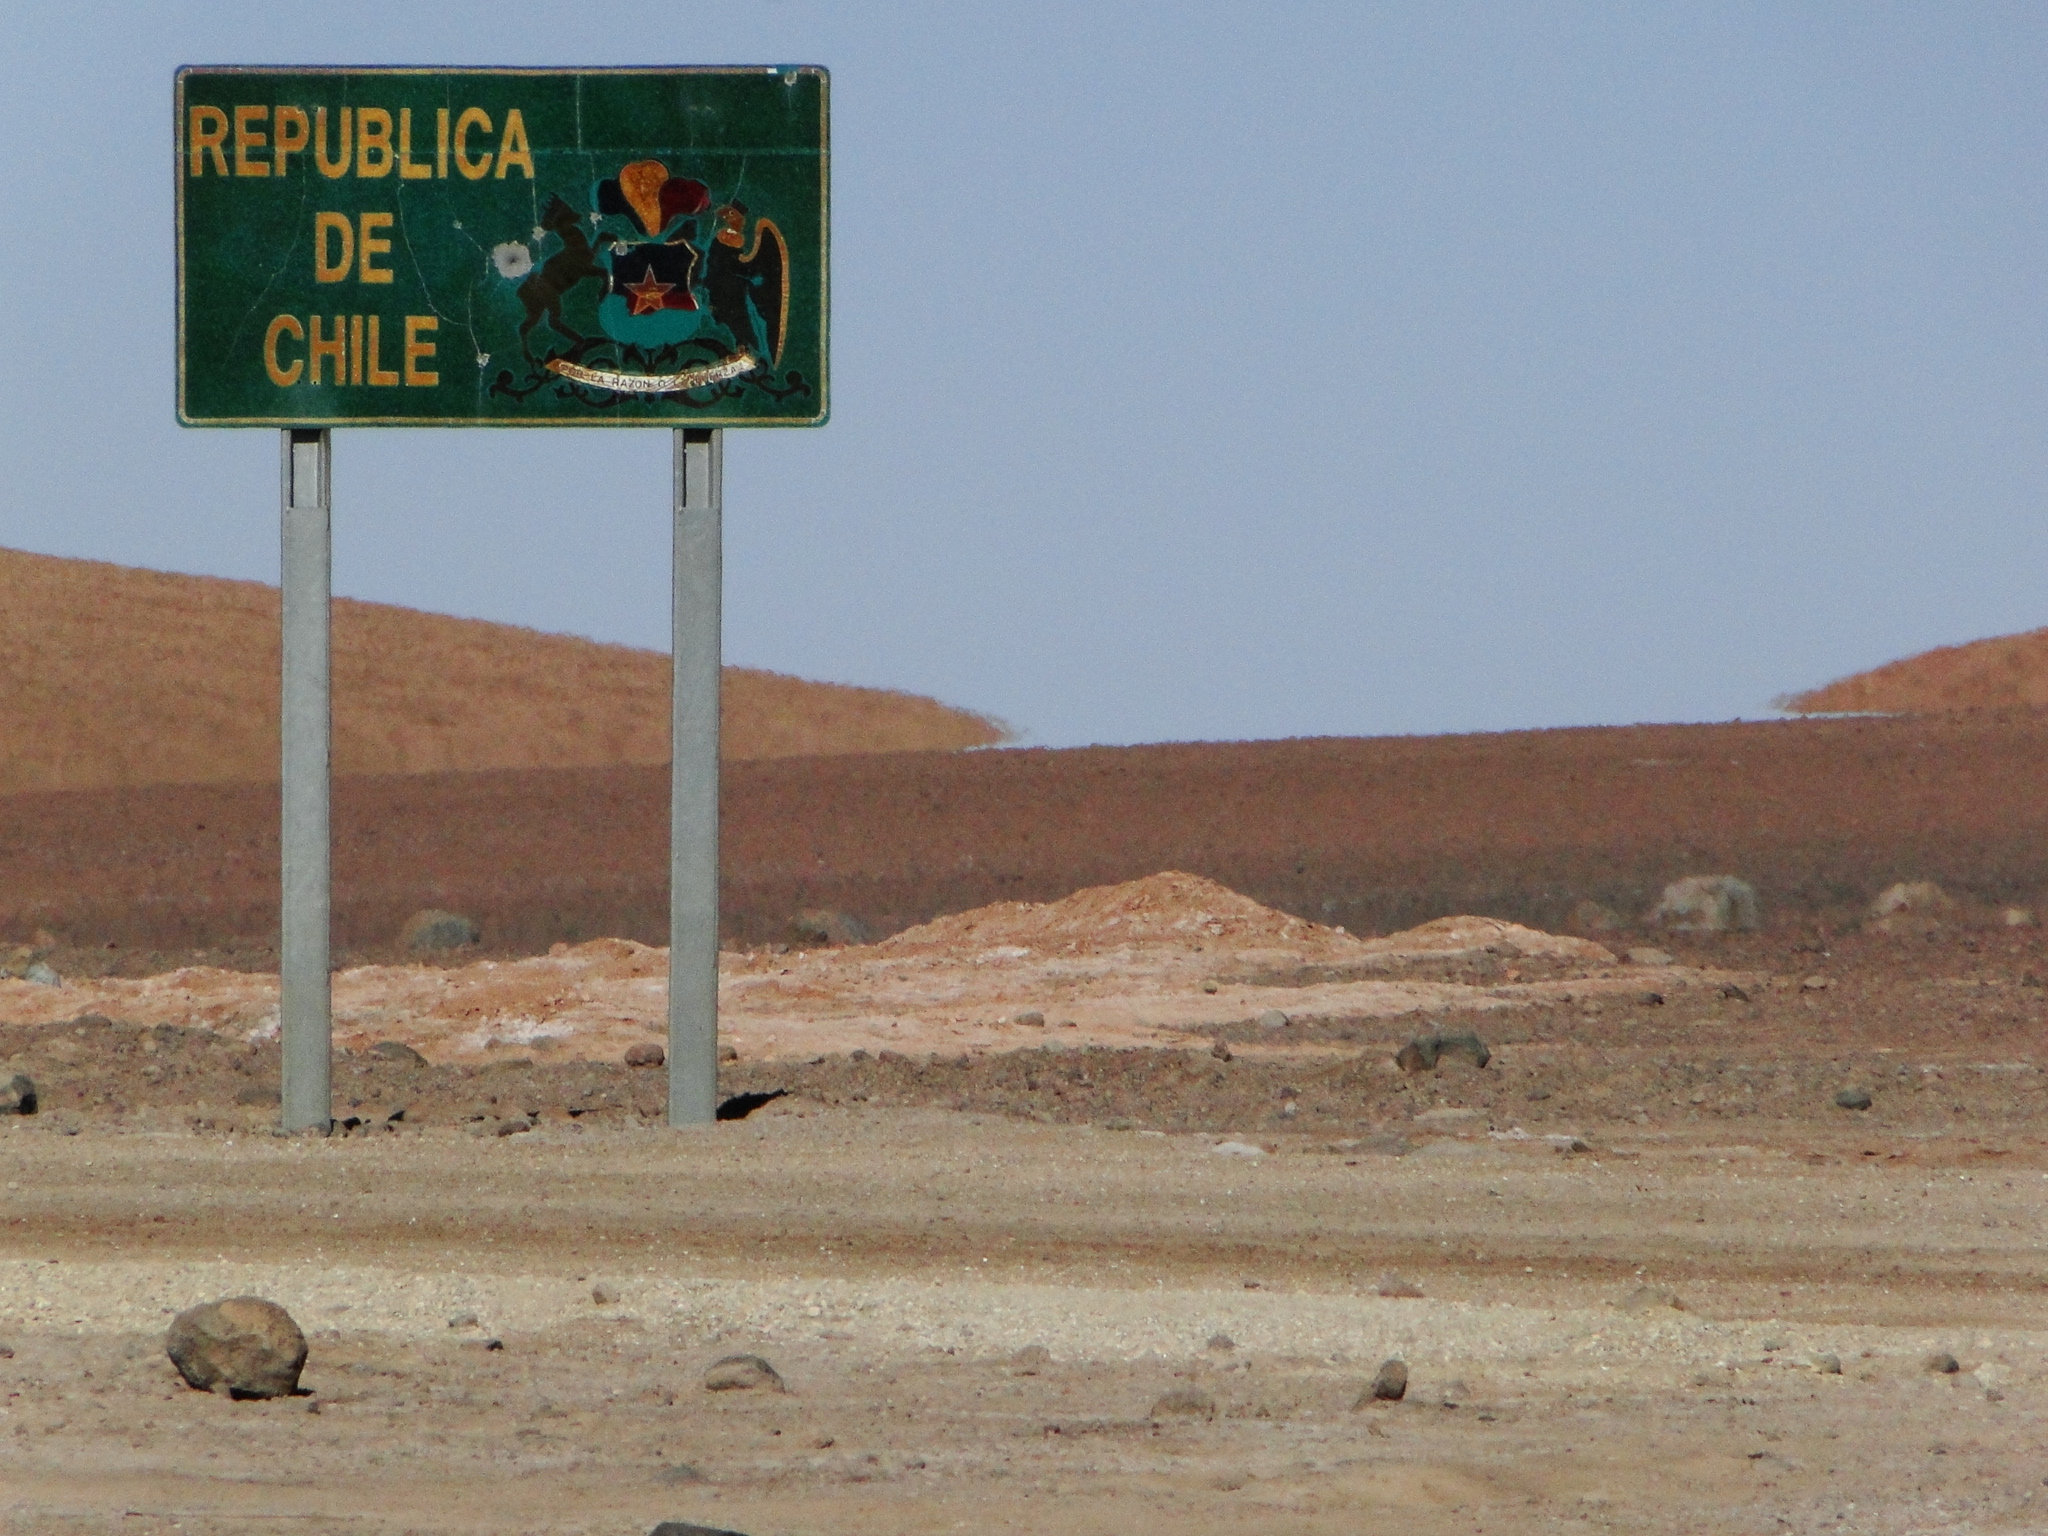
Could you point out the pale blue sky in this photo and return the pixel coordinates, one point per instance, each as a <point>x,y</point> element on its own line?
<point>1200,371</point>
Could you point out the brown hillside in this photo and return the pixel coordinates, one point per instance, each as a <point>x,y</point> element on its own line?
<point>2005,672</point>
<point>111,677</point>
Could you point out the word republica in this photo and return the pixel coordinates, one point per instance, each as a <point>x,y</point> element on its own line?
<point>261,141</point>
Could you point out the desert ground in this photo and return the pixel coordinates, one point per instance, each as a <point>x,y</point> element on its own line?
<point>1126,1266</point>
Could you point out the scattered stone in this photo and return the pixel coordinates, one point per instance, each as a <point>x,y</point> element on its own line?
<point>18,1095</point>
<point>742,1373</point>
<point>1221,1050</point>
<point>1772,1346</point>
<point>398,1051</point>
<point>42,975</point>
<point>604,1295</point>
<point>1425,1052</point>
<point>1732,993</point>
<point>1828,1365</point>
<point>243,1347</point>
<point>1031,1359</point>
<point>685,1528</point>
<point>515,1126</point>
<point>679,1472</point>
<point>1706,904</point>
<point>1650,1298</point>
<point>1450,1114</point>
<point>1852,1098</point>
<point>435,932</point>
<point>1652,999</point>
<point>2016,917</point>
<point>1238,1149</point>
<point>463,1320</point>
<point>827,926</point>
<point>1030,1018</point>
<point>1272,1018</point>
<point>645,1054</point>
<point>1418,1055</point>
<point>1643,954</point>
<point>1211,988</point>
<point>1916,896</point>
<point>1398,1287</point>
<point>256,1096</point>
<point>1815,984</point>
<point>1222,1343</point>
<point>1185,1403</point>
<point>1940,1364</point>
<point>6,1351</point>
<point>1389,1386</point>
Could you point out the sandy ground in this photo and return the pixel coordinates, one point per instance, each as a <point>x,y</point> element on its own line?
<point>1135,964</point>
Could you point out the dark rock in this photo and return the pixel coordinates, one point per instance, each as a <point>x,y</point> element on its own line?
<point>741,1105</point>
<point>18,1095</point>
<point>1733,993</point>
<point>1424,1052</point>
<point>681,1472</point>
<point>1031,1359</point>
<point>827,926</point>
<point>1221,1050</point>
<point>742,1373</point>
<point>1398,1287</point>
<point>398,1051</point>
<point>645,1054</point>
<point>685,1528</point>
<point>514,1126</point>
<point>1389,1386</point>
<point>1185,1403</point>
<point>1418,1055</point>
<point>1853,1098</point>
<point>434,931</point>
<point>244,1346</point>
<point>257,1096</point>
<point>1940,1364</point>
<point>1272,1018</point>
<point>463,1320</point>
<point>6,1351</point>
<point>604,1295</point>
<point>1030,1018</point>
<point>1828,1365</point>
<point>1222,1343</point>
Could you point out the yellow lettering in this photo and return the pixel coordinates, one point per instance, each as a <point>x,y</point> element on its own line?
<point>208,131</point>
<point>337,166</point>
<point>479,168</point>
<point>514,150</point>
<point>378,376</point>
<point>355,349</point>
<point>320,351</point>
<point>441,143</point>
<point>370,246</point>
<point>247,138</point>
<point>373,142</point>
<point>325,225</point>
<point>283,377</point>
<point>415,350</point>
<point>407,170</point>
<point>293,134</point>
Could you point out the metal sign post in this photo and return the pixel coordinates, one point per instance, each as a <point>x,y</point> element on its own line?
<point>304,1006</point>
<point>503,248</point>
<point>693,779</point>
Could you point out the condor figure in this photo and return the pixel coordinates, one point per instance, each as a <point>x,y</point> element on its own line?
<point>749,293</point>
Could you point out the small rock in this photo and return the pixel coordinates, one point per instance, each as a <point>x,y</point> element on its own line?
<point>1591,917</point>
<point>1706,904</point>
<point>1389,1386</point>
<point>645,1054</point>
<point>463,1320</point>
<point>1222,1343</point>
<point>1645,955</point>
<point>1652,999</point>
<point>397,1051</point>
<point>1425,1052</point>
<point>1211,988</point>
<point>1221,1050</point>
<point>514,1126</point>
<point>1852,1098</point>
<point>742,1373</point>
<point>1649,1298</point>
<point>6,1351</point>
<point>256,1096</point>
<point>1031,1359</point>
<point>827,926</point>
<point>42,975</point>
<point>2016,917</point>
<point>1418,1055</point>
<point>1272,1018</point>
<point>1030,1018</point>
<point>1185,1403</point>
<point>1238,1149</point>
<point>18,1095</point>
<point>728,1053</point>
<point>1733,993</point>
<point>1828,1365</point>
<point>1772,1346</point>
<point>685,1528</point>
<point>1815,984</point>
<point>1120,1123</point>
<point>1398,1287</point>
<point>244,1346</point>
<point>435,931</point>
<point>679,1472</point>
<point>604,1295</point>
<point>1940,1364</point>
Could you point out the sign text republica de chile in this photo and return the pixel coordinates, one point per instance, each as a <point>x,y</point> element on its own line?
<point>393,247</point>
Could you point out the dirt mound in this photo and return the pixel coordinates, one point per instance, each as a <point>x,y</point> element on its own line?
<point>114,677</point>
<point>2008,671</point>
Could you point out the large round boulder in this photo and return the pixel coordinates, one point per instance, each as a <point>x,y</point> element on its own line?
<point>243,1347</point>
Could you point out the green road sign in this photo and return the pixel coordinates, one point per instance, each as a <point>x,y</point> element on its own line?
<point>502,247</point>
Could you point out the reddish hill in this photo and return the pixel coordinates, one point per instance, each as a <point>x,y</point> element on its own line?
<point>2005,672</point>
<point>112,677</point>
